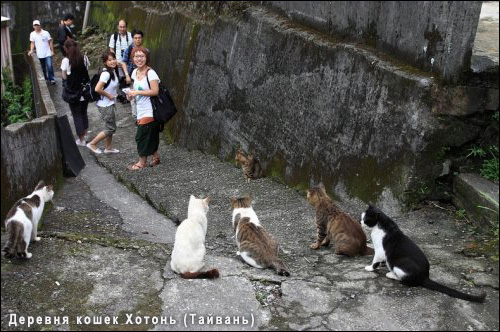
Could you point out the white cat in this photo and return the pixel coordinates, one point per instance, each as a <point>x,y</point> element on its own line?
<point>189,247</point>
<point>22,221</point>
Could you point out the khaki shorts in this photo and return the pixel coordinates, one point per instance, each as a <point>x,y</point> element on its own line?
<point>108,116</point>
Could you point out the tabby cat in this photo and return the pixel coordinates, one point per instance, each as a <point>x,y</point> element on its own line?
<point>334,225</point>
<point>22,221</point>
<point>189,247</point>
<point>255,245</point>
<point>250,165</point>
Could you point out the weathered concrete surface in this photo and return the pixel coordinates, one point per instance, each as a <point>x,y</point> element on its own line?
<point>110,273</point>
<point>469,192</point>
<point>485,51</point>
<point>30,153</point>
<point>433,36</point>
<point>305,102</point>
<point>43,101</point>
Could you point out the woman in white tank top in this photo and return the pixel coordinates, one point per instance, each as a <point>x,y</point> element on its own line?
<point>106,87</point>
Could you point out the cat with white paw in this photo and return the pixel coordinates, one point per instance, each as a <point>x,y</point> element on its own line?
<point>404,259</point>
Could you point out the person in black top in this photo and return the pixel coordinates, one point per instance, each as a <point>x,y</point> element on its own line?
<point>75,72</point>
<point>65,31</point>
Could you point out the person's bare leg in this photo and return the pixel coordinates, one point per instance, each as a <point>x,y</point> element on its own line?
<point>97,139</point>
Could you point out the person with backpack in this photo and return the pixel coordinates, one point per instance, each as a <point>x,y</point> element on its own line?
<point>146,85</point>
<point>119,43</point>
<point>75,74</point>
<point>106,88</point>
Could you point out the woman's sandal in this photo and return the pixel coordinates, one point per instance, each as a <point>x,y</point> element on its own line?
<point>155,161</point>
<point>135,167</point>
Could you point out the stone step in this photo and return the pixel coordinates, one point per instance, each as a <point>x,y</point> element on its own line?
<point>469,193</point>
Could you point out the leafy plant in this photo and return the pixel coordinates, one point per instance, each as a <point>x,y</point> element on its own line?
<point>496,116</point>
<point>461,215</point>
<point>476,151</point>
<point>16,101</point>
<point>490,167</point>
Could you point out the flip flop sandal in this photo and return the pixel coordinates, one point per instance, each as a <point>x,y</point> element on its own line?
<point>135,167</point>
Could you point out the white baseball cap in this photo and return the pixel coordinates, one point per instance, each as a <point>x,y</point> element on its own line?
<point>36,22</point>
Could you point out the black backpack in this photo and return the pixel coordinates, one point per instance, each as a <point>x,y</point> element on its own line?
<point>115,35</point>
<point>89,90</point>
<point>163,105</point>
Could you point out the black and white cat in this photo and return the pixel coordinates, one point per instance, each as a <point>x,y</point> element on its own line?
<point>22,221</point>
<point>404,259</point>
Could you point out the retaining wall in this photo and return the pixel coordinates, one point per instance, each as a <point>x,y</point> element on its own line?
<point>435,36</point>
<point>30,151</point>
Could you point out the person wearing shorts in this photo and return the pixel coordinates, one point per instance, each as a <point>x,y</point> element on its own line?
<point>106,87</point>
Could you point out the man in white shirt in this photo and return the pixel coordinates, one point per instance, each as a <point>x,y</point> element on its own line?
<point>42,42</point>
<point>119,42</point>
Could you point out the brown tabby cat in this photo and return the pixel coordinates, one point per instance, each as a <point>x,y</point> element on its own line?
<point>250,165</point>
<point>256,246</point>
<point>334,225</point>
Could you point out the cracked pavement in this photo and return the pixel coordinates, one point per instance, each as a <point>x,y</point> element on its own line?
<point>107,238</point>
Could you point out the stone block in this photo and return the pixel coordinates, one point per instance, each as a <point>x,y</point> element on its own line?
<point>469,192</point>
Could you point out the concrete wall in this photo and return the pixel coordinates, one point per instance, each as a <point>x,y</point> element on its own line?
<point>43,101</point>
<point>305,103</point>
<point>435,36</point>
<point>30,152</point>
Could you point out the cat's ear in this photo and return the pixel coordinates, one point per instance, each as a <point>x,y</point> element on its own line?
<point>207,200</point>
<point>248,200</point>
<point>40,185</point>
<point>233,201</point>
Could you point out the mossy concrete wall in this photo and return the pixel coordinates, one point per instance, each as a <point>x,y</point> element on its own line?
<point>436,36</point>
<point>303,101</point>
<point>30,151</point>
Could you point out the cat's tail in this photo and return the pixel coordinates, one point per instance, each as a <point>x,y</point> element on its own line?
<point>369,251</point>
<point>15,231</point>
<point>212,274</point>
<point>432,285</point>
<point>280,268</point>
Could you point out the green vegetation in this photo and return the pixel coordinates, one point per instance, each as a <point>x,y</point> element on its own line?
<point>492,244</point>
<point>461,215</point>
<point>16,101</point>
<point>476,151</point>
<point>494,223</point>
<point>489,168</point>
